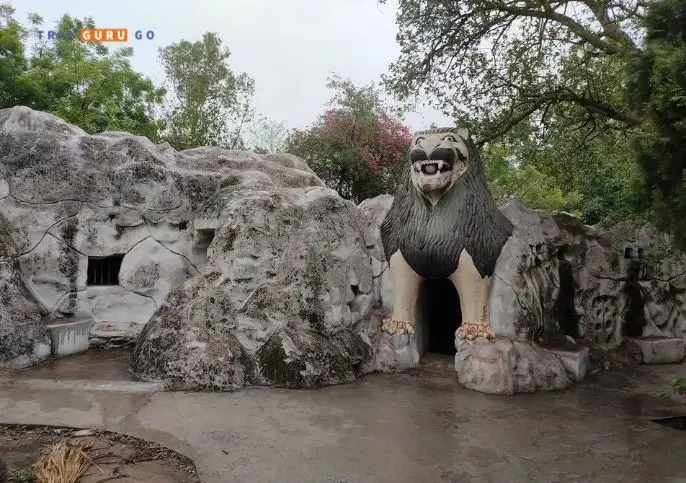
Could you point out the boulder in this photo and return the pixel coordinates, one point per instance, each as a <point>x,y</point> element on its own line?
<point>287,280</point>
<point>226,267</point>
<point>506,367</point>
<point>24,340</point>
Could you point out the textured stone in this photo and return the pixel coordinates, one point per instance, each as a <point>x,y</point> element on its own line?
<point>70,337</point>
<point>574,360</point>
<point>660,350</point>
<point>246,269</point>
<point>506,367</point>
<point>24,341</point>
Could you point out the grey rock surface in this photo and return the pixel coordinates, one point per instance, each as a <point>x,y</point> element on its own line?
<point>660,350</point>
<point>24,340</point>
<point>241,269</point>
<point>245,267</point>
<point>506,367</point>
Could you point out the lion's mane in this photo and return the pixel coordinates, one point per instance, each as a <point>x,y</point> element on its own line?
<point>431,238</point>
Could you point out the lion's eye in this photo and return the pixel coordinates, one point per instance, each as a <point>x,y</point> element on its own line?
<point>419,139</point>
<point>450,139</point>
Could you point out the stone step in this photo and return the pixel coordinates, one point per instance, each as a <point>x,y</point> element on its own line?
<point>70,337</point>
<point>86,385</point>
<point>660,350</point>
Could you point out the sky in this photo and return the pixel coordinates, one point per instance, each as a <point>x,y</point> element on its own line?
<point>289,47</point>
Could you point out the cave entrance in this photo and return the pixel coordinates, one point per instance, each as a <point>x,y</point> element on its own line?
<point>203,239</point>
<point>438,316</point>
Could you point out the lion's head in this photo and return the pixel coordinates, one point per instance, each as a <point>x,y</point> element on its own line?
<point>439,158</point>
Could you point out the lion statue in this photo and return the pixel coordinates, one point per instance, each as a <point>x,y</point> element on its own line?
<point>443,223</point>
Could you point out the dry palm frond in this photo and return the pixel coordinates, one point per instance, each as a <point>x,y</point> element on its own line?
<point>63,462</point>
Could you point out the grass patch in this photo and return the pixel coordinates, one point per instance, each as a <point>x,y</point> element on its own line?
<point>20,476</point>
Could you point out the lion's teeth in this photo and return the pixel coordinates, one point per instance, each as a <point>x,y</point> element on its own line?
<point>440,164</point>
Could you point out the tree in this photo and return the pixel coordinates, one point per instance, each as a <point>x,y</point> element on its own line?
<point>267,136</point>
<point>545,79</point>
<point>85,84</point>
<point>12,57</point>
<point>508,176</point>
<point>357,146</point>
<point>498,63</point>
<point>210,104</point>
<point>658,86</point>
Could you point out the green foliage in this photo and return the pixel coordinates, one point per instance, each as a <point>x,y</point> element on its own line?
<point>85,84</point>
<point>547,82</point>
<point>680,386</point>
<point>497,63</point>
<point>211,105</point>
<point>20,476</point>
<point>658,85</point>
<point>12,57</point>
<point>357,147</point>
<point>529,185</point>
<point>657,254</point>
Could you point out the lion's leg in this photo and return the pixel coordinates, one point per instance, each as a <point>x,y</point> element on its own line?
<point>406,284</point>
<point>475,293</point>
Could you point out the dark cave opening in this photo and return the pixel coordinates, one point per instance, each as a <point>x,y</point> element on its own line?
<point>565,310</point>
<point>438,316</point>
<point>203,239</point>
<point>634,317</point>
<point>104,270</point>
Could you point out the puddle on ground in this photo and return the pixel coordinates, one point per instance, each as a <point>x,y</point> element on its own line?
<point>675,422</point>
<point>95,364</point>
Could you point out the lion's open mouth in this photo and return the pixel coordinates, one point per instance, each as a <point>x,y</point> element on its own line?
<point>432,167</point>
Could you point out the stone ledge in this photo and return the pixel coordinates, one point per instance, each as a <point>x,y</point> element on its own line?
<point>508,367</point>
<point>134,387</point>
<point>660,350</point>
<point>69,337</point>
<point>574,360</point>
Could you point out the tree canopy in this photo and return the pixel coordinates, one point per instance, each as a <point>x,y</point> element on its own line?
<point>357,146</point>
<point>658,86</point>
<point>210,105</point>
<point>86,84</point>
<point>497,63</point>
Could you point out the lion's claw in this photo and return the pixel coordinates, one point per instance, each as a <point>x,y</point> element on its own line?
<point>393,326</point>
<point>472,331</point>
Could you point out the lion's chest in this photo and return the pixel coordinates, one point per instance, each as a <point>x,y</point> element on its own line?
<point>431,248</point>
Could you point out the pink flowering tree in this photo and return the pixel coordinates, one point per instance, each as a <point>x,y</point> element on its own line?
<point>357,146</point>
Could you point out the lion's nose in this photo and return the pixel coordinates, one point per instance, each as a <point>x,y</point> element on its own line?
<point>446,154</point>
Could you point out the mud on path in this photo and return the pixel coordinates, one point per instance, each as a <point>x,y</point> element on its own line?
<point>116,457</point>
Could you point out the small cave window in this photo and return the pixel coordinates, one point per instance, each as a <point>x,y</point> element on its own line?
<point>104,270</point>
<point>203,239</point>
<point>439,315</point>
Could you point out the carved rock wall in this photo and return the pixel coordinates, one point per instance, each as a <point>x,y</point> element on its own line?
<point>245,269</point>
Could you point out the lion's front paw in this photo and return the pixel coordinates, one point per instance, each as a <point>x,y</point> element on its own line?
<point>471,331</point>
<point>393,326</point>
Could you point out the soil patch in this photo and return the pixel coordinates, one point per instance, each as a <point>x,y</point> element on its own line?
<point>115,457</point>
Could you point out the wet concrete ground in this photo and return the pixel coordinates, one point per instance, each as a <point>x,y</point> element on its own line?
<point>94,365</point>
<point>418,426</point>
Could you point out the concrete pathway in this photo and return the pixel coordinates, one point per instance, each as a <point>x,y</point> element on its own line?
<point>414,427</point>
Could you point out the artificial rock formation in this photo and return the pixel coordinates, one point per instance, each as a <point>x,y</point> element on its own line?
<point>559,287</point>
<point>243,268</point>
<point>232,269</point>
